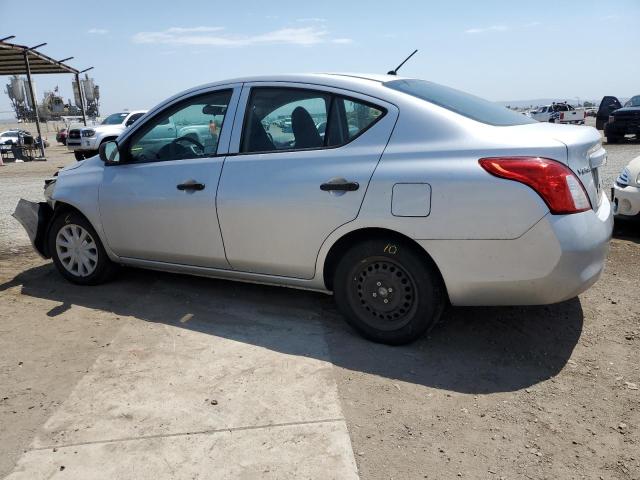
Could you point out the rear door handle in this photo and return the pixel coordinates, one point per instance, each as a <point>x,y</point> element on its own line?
<point>340,186</point>
<point>190,185</point>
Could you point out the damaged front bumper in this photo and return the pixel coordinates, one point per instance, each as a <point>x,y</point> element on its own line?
<point>35,217</point>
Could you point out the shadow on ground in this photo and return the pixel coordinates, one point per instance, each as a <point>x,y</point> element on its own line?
<point>627,230</point>
<point>474,350</point>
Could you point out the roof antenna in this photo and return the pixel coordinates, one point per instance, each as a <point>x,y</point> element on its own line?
<point>395,70</point>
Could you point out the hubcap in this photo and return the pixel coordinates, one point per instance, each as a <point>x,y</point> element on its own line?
<point>383,292</point>
<point>77,251</point>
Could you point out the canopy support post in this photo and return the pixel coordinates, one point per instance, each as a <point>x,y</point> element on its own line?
<point>81,95</point>
<point>33,102</point>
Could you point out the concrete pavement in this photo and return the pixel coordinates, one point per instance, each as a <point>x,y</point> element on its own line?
<point>219,390</point>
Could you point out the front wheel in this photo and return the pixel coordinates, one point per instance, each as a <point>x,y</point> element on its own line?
<point>79,155</point>
<point>388,291</point>
<point>77,251</point>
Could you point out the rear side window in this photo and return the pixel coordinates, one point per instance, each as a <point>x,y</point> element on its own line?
<point>279,119</point>
<point>459,102</point>
<point>349,118</point>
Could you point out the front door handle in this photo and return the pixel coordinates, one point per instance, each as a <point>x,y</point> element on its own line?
<point>340,186</point>
<point>190,185</point>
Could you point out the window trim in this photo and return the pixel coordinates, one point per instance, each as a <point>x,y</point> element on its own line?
<point>123,148</point>
<point>332,96</point>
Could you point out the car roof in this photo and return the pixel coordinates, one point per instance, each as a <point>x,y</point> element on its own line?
<point>366,83</point>
<point>355,81</point>
<point>318,77</point>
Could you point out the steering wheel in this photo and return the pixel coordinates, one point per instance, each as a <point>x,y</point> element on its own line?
<point>189,139</point>
<point>175,150</point>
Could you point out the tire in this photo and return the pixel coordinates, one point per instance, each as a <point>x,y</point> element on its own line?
<point>79,155</point>
<point>73,229</point>
<point>613,139</point>
<point>393,272</point>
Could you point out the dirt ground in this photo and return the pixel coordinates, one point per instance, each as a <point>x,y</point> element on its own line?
<point>493,393</point>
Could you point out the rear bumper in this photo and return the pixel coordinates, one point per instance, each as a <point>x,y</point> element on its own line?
<point>35,218</point>
<point>558,258</point>
<point>626,201</point>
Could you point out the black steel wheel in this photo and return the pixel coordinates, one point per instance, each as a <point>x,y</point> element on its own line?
<point>388,291</point>
<point>385,290</point>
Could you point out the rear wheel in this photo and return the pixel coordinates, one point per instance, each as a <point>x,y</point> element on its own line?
<point>77,251</point>
<point>611,138</point>
<point>388,291</point>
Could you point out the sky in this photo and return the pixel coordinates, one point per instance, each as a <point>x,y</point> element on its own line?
<point>146,51</point>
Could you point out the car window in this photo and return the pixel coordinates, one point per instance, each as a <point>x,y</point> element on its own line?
<point>633,102</point>
<point>349,118</point>
<point>459,102</point>
<point>133,118</point>
<point>189,129</point>
<point>280,119</point>
<point>284,119</point>
<point>115,118</point>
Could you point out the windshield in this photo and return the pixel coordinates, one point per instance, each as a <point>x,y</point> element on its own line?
<point>115,118</point>
<point>634,102</point>
<point>9,134</point>
<point>459,102</point>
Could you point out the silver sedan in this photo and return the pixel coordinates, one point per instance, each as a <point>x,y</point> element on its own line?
<point>398,195</point>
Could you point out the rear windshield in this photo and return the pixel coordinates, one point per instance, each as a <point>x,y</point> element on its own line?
<point>470,106</point>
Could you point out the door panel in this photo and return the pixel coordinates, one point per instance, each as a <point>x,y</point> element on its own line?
<point>159,204</point>
<point>145,216</point>
<point>273,215</point>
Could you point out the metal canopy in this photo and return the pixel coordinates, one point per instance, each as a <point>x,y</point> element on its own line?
<point>21,60</point>
<point>12,61</point>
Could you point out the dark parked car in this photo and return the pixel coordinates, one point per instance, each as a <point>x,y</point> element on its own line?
<point>61,136</point>
<point>618,121</point>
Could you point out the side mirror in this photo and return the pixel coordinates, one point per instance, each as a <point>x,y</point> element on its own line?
<point>109,153</point>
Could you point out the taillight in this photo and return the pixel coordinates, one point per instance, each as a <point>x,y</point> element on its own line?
<point>561,115</point>
<point>556,184</point>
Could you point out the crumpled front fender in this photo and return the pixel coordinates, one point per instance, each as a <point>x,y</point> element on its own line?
<point>35,217</point>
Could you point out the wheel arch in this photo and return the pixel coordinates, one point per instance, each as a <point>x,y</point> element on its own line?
<point>367,233</point>
<point>61,207</point>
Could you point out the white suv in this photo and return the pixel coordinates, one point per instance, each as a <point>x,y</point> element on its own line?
<point>85,141</point>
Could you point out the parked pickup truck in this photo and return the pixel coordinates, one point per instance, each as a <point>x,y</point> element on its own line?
<point>617,120</point>
<point>85,141</point>
<point>558,113</point>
